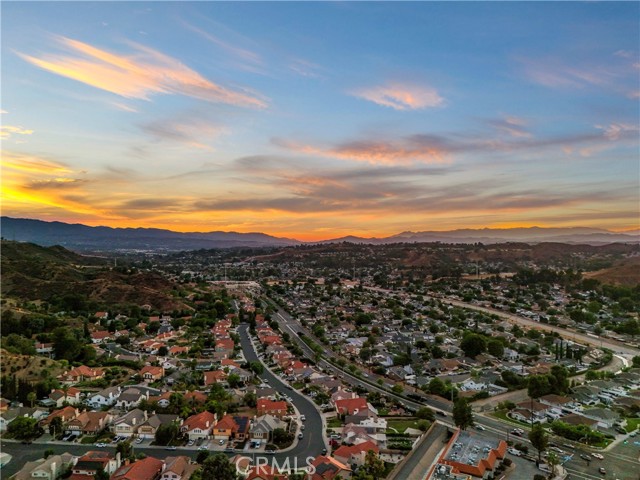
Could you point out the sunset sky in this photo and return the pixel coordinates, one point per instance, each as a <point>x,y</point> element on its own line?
<point>318,120</point>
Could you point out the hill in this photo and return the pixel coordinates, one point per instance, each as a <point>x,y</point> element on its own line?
<point>625,272</point>
<point>96,239</point>
<point>31,272</point>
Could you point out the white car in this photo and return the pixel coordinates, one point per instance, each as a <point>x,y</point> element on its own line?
<point>514,451</point>
<point>101,445</point>
<point>598,456</point>
<point>139,440</point>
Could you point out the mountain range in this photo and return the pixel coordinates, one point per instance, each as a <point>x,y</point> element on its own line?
<point>85,238</point>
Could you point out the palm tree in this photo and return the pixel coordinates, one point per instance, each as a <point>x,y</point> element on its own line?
<point>31,398</point>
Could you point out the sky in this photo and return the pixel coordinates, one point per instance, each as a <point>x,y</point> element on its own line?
<point>325,119</point>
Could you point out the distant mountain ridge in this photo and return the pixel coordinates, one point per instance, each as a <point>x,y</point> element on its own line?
<point>84,238</point>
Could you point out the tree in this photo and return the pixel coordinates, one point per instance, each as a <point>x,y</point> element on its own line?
<point>462,414</point>
<point>280,436</point>
<point>473,344</point>
<point>425,413</point>
<point>55,426</point>
<point>165,434</point>
<point>163,351</point>
<point>125,449</point>
<point>538,386</point>
<point>23,428</point>
<point>553,460</point>
<point>234,380</point>
<point>48,452</point>
<point>495,348</point>
<point>256,367</point>
<point>218,466</point>
<point>437,387</point>
<point>202,456</point>
<point>101,474</point>
<point>250,399</point>
<point>539,439</point>
<point>397,388</point>
<point>31,398</point>
<point>372,469</point>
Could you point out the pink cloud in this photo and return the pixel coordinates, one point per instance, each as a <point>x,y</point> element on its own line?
<point>401,96</point>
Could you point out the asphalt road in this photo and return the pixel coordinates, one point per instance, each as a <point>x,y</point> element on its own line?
<point>312,442</point>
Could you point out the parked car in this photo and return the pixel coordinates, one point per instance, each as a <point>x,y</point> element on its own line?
<point>597,455</point>
<point>303,418</point>
<point>514,451</point>
<point>101,445</point>
<point>170,448</point>
<point>300,435</point>
<point>585,457</point>
<point>139,440</point>
<point>191,443</point>
<point>202,447</point>
<point>602,470</point>
<point>221,442</point>
<point>269,452</point>
<point>324,451</point>
<point>480,427</point>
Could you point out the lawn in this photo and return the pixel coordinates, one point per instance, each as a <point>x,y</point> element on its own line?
<point>401,425</point>
<point>334,423</point>
<point>632,424</point>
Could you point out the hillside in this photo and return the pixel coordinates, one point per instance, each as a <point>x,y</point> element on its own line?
<point>625,272</point>
<point>31,272</point>
<point>27,367</point>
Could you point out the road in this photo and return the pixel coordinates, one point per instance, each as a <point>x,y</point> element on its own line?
<point>600,342</point>
<point>312,443</point>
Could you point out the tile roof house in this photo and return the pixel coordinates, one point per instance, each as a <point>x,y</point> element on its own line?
<point>89,423</point>
<point>199,426</point>
<point>131,397</point>
<point>72,396</point>
<point>66,414</point>
<point>101,336</point>
<point>91,462</point>
<point>148,468</point>
<point>355,454</point>
<point>328,468</point>
<point>352,406</point>
<point>266,406</point>
<point>152,373</point>
<point>178,468</point>
<point>81,374</point>
<point>216,376</point>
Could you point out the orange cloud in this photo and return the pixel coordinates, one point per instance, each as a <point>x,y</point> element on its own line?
<point>402,96</point>
<point>376,152</point>
<point>7,130</point>
<point>145,73</point>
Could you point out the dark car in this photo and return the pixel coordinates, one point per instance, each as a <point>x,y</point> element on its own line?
<point>602,470</point>
<point>441,413</point>
<point>324,451</point>
<point>585,457</point>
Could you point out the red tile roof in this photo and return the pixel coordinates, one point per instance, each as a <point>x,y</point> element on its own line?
<point>351,405</point>
<point>148,468</point>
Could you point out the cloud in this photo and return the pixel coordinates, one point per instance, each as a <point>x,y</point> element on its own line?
<point>615,131</point>
<point>194,133</point>
<point>557,73</point>
<point>142,74</point>
<point>512,126</point>
<point>304,68</point>
<point>60,183</point>
<point>6,131</point>
<point>245,58</point>
<point>31,164</point>
<point>401,96</point>
<point>403,151</point>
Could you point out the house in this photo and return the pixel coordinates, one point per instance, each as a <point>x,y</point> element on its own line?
<point>131,397</point>
<point>351,406</point>
<point>605,417</point>
<point>71,396</point>
<point>225,429</point>
<point>66,414</point>
<point>127,425</point>
<point>148,428</point>
<point>49,469</point>
<point>93,461</point>
<point>148,468</point>
<point>264,426</point>
<point>266,406</point>
<point>104,398</point>
<point>195,398</point>
<point>199,426</point>
<point>355,454</point>
<point>152,373</point>
<point>216,376</point>
<point>101,336</point>
<point>10,415</point>
<point>328,468</point>
<point>81,374</point>
<point>178,468</point>
<point>262,472</point>
<point>88,423</point>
